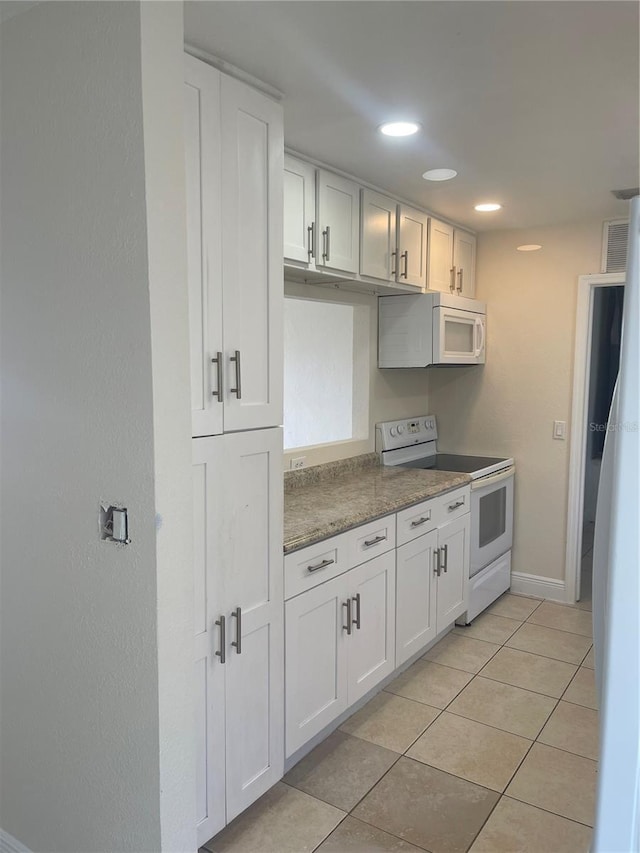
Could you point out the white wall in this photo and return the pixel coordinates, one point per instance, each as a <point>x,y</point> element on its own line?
<point>87,723</point>
<point>163,99</point>
<point>507,407</point>
<point>391,393</point>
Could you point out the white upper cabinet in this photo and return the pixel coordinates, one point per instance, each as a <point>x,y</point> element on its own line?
<point>440,259</point>
<point>234,167</point>
<point>451,264</point>
<point>393,240</point>
<point>338,223</point>
<point>412,246</point>
<point>299,211</point>
<point>464,262</point>
<point>204,247</point>
<point>378,249</point>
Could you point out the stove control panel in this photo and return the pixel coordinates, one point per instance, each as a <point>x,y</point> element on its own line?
<point>391,435</point>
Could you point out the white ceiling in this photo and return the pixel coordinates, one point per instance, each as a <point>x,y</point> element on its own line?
<point>535,104</point>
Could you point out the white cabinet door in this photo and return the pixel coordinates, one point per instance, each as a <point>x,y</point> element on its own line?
<point>251,558</point>
<point>338,223</point>
<point>412,246</point>
<point>371,645</point>
<point>299,210</point>
<point>204,256</point>
<point>415,595</point>
<point>378,251</point>
<point>238,576</point>
<point>440,256</point>
<point>316,661</point>
<point>208,499</point>
<point>252,272</point>
<point>453,581</point>
<point>464,261</point>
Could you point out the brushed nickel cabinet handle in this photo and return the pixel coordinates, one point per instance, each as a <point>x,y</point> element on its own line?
<point>436,561</point>
<point>237,643</point>
<point>326,242</point>
<point>311,231</point>
<point>238,389</point>
<point>405,255</point>
<point>322,565</point>
<point>221,622</point>
<point>369,542</point>
<point>452,282</point>
<point>445,558</point>
<point>356,621</point>
<point>456,505</point>
<point>218,362</point>
<point>460,272</point>
<point>422,520</point>
<point>394,271</point>
<point>347,627</point>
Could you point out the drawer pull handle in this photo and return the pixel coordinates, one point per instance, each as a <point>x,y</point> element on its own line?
<point>322,565</point>
<point>369,542</point>
<point>356,621</point>
<point>422,520</point>
<point>347,627</point>
<point>456,505</point>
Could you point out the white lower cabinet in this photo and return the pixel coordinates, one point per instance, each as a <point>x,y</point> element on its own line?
<point>340,642</point>
<point>416,600</point>
<point>237,491</point>
<point>453,571</point>
<point>432,578</point>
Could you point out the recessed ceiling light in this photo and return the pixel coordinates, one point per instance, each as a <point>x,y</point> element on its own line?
<point>488,207</point>
<point>529,247</point>
<point>439,174</point>
<point>399,128</point>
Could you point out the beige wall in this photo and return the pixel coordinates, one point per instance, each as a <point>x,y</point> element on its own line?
<point>392,393</point>
<point>508,406</point>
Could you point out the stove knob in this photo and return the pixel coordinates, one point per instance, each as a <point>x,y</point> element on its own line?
<point>393,432</point>
<point>400,429</point>
<point>427,424</point>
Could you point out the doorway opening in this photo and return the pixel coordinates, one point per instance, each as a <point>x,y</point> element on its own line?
<point>597,356</point>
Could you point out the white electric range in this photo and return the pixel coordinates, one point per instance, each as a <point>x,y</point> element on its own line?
<point>412,443</point>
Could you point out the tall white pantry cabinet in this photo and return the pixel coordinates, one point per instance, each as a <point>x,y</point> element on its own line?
<point>234,153</point>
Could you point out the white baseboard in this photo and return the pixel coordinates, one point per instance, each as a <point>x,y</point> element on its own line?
<point>9,844</point>
<point>537,586</point>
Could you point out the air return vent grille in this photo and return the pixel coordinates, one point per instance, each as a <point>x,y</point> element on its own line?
<point>614,245</point>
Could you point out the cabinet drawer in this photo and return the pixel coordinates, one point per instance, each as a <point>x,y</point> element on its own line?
<point>416,520</point>
<point>314,565</point>
<point>367,541</point>
<point>452,505</point>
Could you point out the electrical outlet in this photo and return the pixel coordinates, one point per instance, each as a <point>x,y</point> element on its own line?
<point>298,463</point>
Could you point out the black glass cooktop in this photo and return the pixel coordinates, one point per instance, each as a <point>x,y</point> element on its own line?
<point>454,462</point>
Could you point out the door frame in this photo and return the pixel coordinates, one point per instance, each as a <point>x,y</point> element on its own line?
<point>587,285</point>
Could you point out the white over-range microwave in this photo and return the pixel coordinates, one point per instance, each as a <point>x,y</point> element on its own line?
<point>430,328</point>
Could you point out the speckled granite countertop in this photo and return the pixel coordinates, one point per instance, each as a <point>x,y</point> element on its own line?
<point>324,500</point>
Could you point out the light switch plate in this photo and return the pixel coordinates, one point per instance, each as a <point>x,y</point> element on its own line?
<point>559,430</point>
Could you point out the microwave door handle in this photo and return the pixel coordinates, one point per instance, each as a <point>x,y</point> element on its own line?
<point>480,331</point>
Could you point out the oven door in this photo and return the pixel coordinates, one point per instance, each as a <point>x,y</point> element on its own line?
<point>491,518</point>
<point>458,336</point>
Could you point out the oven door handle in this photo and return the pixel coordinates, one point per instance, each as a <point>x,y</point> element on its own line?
<point>493,478</point>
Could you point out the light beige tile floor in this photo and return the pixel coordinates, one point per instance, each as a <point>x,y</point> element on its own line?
<point>486,745</point>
